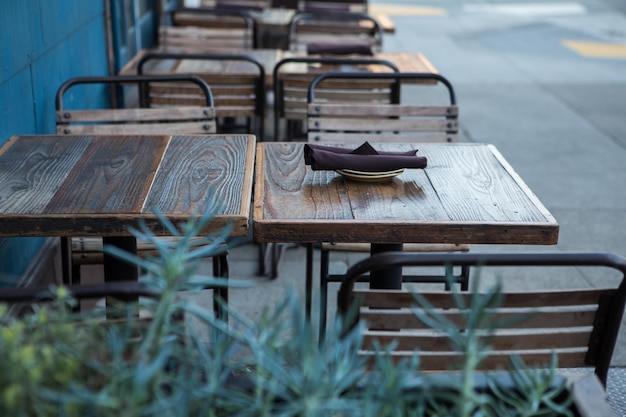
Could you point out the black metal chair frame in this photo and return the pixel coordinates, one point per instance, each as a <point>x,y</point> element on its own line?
<point>259,99</point>
<point>607,322</point>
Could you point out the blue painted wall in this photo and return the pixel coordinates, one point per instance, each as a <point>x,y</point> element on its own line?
<point>43,43</point>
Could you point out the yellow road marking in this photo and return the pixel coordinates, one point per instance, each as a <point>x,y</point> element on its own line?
<point>403,10</point>
<point>596,49</point>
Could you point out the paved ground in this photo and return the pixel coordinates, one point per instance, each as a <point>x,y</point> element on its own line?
<point>545,83</point>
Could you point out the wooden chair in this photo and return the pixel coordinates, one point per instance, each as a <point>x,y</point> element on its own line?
<point>344,28</point>
<point>291,86</point>
<point>353,123</point>
<point>200,30</point>
<point>199,119</point>
<point>579,324</point>
<point>234,97</point>
<point>399,121</point>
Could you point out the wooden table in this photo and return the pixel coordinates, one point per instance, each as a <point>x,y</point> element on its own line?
<point>100,185</point>
<point>467,194</point>
<point>405,61</point>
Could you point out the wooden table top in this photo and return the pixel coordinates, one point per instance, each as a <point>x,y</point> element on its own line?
<point>99,185</point>
<point>405,61</point>
<point>467,194</point>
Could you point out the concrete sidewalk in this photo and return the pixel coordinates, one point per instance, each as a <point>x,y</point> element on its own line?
<point>546,84</point>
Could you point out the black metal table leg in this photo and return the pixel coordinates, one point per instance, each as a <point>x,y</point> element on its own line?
<point>389,278</point>
<point>116,269</point>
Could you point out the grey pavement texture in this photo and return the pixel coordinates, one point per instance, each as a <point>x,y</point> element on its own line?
<point>558,117</point>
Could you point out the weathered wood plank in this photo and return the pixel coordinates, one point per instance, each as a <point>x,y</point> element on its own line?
<point>556,338</point>
<point>111,177</point>
<point>301,193</point>
<point>193,172</point>
<point>32,171</point>
<point>472,186</point>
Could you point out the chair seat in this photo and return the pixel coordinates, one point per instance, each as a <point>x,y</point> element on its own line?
<point>88,250</point>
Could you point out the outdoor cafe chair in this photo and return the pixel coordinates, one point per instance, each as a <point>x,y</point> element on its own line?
<point>235,97</point>
<point>334,28</point>
<point>144,120</point>
<point>290,88</point>
<point>533,316</point>
<point>399,121</point>
<point>206,30</point>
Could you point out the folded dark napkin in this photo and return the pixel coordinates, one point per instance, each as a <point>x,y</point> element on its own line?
<point>363,158</point>
<point>339,49</point>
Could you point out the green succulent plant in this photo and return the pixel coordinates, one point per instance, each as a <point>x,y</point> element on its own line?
<point>60,363</point>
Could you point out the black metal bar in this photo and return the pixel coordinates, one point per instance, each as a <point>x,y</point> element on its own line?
<point>388,278</point>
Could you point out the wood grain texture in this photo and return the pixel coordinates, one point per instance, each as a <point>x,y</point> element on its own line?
<point>32,170</point>
<point>194,171</point>
<point>465,195</point>
<point>101,185</point>
<point>113,176</point>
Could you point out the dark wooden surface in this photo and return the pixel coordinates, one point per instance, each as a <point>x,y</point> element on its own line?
<point>467,194</point>
<point>405,61</point>
<point>100,185</point>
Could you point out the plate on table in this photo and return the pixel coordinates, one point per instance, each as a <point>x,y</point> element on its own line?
<point>367,176</point>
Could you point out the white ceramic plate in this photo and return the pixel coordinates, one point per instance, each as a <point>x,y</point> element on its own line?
<point>364,176</point>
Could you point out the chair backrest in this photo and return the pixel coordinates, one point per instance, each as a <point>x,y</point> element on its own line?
<point>397,121</point>
<point>197,30</point>
<point>540,317</point>
<point>234,96</point>
<point>291,86</point>
<point>164,120</point>
<point>334,28</point>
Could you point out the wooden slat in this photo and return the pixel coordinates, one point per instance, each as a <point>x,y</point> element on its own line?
<point>128,168</point>
<point>538,359</point>
<point>399,319</point>
<point>139,128</point>
<point>368,124</point>
<point>556,298</point>
<point>436,342</point>
<point>46,166</point>
<point>359,138</point>
<point>381,110</point>
<point>124,115</point>
<point>209,173</point>
<point>88,250</point>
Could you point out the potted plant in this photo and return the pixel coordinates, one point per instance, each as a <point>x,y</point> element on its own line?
<point>59,363</point>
